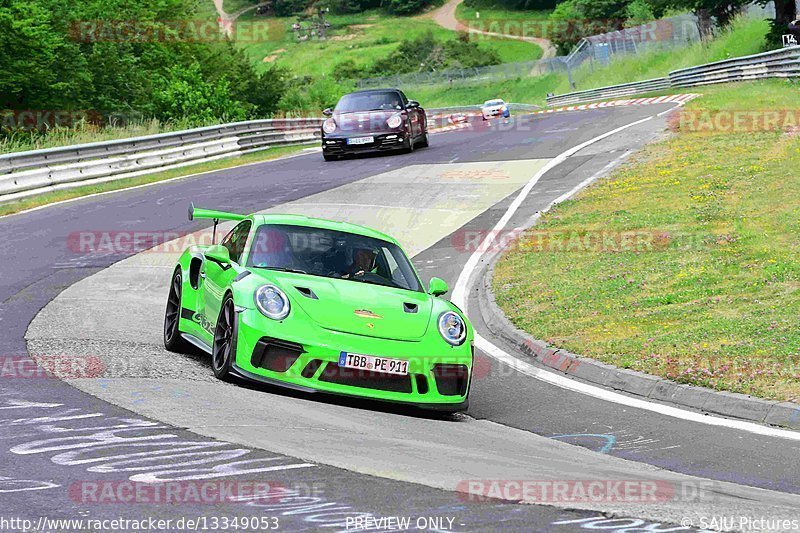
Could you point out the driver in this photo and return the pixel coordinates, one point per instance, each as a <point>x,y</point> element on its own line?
<point>271,248</point>
<point>363,262</point>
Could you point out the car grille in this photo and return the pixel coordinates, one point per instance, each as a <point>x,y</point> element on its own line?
<point>333,373</point>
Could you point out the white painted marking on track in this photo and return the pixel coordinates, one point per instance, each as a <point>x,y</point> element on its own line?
<point>459,298</point>
<point>629,401</point>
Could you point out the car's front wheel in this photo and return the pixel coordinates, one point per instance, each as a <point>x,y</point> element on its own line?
<point>410,143</point>
<point>172,316</point>
<point>225,334</point>
<point>423,143</point>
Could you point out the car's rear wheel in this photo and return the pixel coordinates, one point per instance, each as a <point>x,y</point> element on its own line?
<point>225,334</point>
<point>329,157</point>
<point>172,316</point>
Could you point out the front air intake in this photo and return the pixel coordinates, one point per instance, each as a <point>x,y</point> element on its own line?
<point>451,380</point>
<point>275,354</point>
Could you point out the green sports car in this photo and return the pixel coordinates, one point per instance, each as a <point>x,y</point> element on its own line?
<point>317,305</point>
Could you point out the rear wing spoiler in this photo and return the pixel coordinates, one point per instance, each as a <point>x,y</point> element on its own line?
<point>196,212</point>
<point>216,216</point>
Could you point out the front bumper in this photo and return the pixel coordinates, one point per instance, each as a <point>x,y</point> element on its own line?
<point>305,357</point>
<point>491,113</point>
<point>337,144</point>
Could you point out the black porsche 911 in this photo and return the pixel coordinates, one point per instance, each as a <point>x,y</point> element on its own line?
<point>373,120</point>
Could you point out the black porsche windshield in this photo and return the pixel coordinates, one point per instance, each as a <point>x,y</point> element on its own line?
<point>332,254</point>
<point>370,101</point>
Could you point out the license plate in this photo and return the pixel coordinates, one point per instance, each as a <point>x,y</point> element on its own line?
<point>373,364</point>
<point>361,140</point>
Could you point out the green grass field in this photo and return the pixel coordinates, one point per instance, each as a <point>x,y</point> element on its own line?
<point>497,19</point>
<point>746,36</point>
<point>707,291</point>
<point>362,37</point>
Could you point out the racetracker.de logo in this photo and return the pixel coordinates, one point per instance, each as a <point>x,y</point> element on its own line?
<point>575,29</point>
<point>126,242</point>
<point>174,31</point>
<point>566,491</point>
<point>735,121</point>
<point>51,366</point>
<point>174,492</point>
<point>46,119</point>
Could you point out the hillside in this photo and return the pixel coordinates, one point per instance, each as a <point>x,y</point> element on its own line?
<point>745,36</point>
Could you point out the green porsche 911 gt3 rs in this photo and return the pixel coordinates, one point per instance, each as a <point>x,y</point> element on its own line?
<point>317,305</point>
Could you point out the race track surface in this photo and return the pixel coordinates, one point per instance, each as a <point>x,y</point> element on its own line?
<point>153,415</point>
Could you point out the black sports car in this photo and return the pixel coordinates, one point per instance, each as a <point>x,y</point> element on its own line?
<point>373,120</point>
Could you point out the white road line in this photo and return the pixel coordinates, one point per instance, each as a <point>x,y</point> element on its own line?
<point>463,279</point>
<point>459,298</point>
<point>611,396</point>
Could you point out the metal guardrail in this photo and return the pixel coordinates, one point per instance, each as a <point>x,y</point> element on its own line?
<point>37,171</point>
<point>782,63</point>
<point>32,172</point>
<point>614,91</point>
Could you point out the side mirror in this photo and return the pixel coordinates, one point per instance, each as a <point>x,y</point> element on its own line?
<point>437,287</point>
<point>327,112</point>
<point>219,254</point>
<point>412,104</point>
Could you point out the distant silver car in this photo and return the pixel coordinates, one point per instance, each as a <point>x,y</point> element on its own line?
<point>494,108</point>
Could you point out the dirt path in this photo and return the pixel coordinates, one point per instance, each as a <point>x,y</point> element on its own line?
<point>226,20</point>
<point>445,17</point>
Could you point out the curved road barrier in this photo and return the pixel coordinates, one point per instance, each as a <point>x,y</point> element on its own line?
<point>783,63</point>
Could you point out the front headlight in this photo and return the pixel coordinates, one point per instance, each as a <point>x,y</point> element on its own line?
<point>272,302</point>
<point>329,126</point>
<point>394,121</point>
<point>452,328</point>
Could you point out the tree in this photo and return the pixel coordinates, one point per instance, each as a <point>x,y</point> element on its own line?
<point>183,96</point>
<point>786,11</point>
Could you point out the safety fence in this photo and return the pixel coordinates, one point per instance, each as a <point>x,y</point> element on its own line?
<point>782,63</point>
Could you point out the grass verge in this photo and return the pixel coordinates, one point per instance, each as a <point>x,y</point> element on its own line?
<point>744,37</point>
<point>67,194</point>
<point>362,37</point>
<point>497,19</point>
<point>706,289</point>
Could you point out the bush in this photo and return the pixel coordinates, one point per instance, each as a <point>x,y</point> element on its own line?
<point>427,54</point>
<point>184,96</point>
<point>406,7</point>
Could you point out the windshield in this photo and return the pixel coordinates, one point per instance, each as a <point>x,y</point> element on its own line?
<point>493,102</point>
<point>370,101</point>
<point>332,254</point>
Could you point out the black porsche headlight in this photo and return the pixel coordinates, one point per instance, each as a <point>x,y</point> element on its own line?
<point>452,328</point>
<point>329,126</point>
<point>272,302</point>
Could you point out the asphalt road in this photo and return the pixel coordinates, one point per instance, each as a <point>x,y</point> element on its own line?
<point>42,265</point>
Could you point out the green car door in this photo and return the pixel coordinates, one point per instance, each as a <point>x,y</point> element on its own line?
<point>219,274</point>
